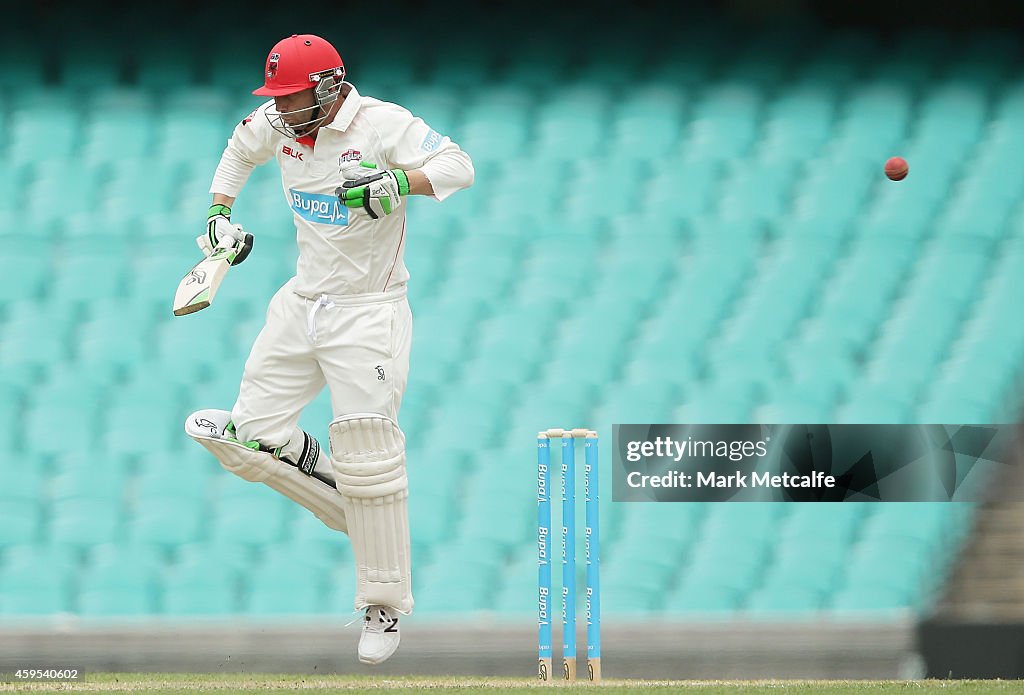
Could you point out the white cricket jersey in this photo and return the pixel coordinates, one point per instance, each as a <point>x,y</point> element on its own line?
<point>344,251</point>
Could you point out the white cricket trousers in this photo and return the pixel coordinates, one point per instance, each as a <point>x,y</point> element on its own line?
<point>356,345</point>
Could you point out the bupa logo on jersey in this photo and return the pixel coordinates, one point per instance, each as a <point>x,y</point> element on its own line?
<point>318,207</point>
<point>432,141</point>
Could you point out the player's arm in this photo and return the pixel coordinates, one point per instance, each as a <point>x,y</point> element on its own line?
<point>251,144</point>
<point>421,161</point>
<point>419,184</point>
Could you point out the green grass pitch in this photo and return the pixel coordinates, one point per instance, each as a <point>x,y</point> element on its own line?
<point>229,684</point>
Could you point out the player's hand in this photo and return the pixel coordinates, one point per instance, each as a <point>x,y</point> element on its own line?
<point>220,233</point>
<point>378,193</point>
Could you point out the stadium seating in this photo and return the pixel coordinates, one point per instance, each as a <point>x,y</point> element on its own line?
<point>695,236</point>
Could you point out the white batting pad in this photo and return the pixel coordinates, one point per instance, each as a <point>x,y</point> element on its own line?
<point>207,428</point>
<point>368,452</point>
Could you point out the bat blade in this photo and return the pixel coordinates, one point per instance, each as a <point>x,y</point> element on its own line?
<point>199,286</point>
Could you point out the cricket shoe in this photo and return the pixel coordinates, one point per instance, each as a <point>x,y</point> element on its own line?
<point>380,636</point>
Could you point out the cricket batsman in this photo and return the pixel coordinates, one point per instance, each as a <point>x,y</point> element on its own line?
<point>347,162</point>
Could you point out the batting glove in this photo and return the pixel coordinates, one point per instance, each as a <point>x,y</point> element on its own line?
<point>378,193</point>
<point>221,233</point>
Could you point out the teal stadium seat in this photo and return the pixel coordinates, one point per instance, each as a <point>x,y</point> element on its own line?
<point>312,557</point>
<point>33,588</point>
<point>105,347</point>
<point>442,335</point>
<point>11,408</point>
<point>121,589</point>
<point>308,536</point>
<point>761,189</point>
<point>953,117</point>
<point>496,124</point>
<point>490,496</point>
<point>515,596</point>
<point>22,521</point>
<point>166,519</point>
<point>877,117</point>
<point>639,401</point>
<point>89,270</point>
<point>717,402</point>
<point>28,266</point>
<point>522,186</point>
<point>138,184</point>
<point>570,125</point>
<point>193,347</point>
<point>649,121</point>
<point>73,409</point>
<point>119,554</point>
<point>197,122</point>
<point>724,122</point>
<point>201,589</point>
<point>247,513</point>
<point>800,121</point>
<point>63,128</point>
<point>438,105</point>
<point>121,118</point>
<point>444,585</point>
<point>194,194</point>
<point>227,554</point>
<point>272,589</point>
<point>98,224</point>
<point>86,511</point>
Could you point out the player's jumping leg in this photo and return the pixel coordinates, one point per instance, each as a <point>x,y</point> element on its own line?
<point>294,475</point>
<point>368,452</point>
<point>281,377</point>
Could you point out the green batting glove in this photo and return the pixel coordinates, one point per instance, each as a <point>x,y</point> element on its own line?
<point>378,193</point>
<point>220,232</point>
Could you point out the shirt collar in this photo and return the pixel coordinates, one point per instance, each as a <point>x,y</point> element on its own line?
<point>343,119</point>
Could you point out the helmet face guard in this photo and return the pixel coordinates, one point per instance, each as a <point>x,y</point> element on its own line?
<point>326,86</point>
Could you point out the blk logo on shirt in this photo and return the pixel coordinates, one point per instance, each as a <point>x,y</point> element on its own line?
<point>295,154</point>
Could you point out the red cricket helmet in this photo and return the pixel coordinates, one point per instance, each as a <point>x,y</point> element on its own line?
<point>300,62</point>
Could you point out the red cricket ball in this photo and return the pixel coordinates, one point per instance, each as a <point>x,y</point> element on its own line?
<point>897,168</point>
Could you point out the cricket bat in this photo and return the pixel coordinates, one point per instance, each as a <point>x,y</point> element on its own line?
<point>199,286</point>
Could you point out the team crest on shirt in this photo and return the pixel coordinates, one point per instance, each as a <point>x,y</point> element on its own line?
<point>349,156</point>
